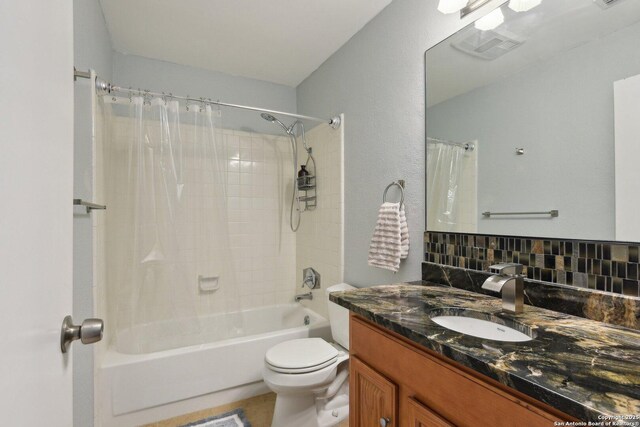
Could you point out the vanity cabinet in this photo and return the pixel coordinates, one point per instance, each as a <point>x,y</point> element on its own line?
<point>394,382</point>
<point>419,415</point>
<point>376,398</point>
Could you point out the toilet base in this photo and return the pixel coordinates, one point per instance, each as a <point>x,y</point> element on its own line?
<point>309,410</point>
<point>295,411</point>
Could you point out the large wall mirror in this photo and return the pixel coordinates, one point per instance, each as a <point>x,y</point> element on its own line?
<point>533,122</point>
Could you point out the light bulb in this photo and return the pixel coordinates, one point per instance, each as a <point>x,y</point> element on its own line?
<point>490,21</point>
<point>523,5</point>
<point>451,6</point>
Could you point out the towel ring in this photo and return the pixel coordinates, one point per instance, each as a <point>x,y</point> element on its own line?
<point>400,185</point>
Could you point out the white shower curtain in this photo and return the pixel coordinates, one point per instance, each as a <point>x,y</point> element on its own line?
<point>168,254</point>
<point>444,169</point>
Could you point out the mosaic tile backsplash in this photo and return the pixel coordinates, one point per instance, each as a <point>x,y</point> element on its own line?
<point>604,266</point>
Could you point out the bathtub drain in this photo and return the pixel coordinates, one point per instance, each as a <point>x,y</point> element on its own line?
<point>307,320</point>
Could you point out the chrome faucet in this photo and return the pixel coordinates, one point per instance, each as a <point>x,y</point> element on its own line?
<point>507,279</point>
<point>300,297</point>
<point>311,278</point>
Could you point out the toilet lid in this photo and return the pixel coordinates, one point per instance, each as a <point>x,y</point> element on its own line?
<point>301,355</point>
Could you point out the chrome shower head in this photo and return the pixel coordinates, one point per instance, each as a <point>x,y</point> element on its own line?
<point>268,117</point>
<point>272,119</point>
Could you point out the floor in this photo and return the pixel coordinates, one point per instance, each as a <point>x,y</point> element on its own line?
<point>259,411</point>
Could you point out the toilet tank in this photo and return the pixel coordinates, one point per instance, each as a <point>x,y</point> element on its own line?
<point>339,317</point>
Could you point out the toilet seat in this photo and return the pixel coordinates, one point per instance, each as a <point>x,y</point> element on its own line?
<point>301,356</point>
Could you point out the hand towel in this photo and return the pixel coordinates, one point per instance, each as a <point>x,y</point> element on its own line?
<point>404,234</point>
<point>385,248</point>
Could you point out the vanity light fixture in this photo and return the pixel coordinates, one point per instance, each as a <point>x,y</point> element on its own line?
<point>523,5</point>
<point>490,20</point>
<point>451,6</point>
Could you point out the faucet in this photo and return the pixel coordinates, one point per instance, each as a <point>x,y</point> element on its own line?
<point>300,297</point>
<point>311,278</point>
<point>508,280</point>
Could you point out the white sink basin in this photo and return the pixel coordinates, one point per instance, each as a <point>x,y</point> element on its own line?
<point>463,322</point>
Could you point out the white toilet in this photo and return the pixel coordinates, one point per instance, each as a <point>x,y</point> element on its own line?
<point>311,376</point>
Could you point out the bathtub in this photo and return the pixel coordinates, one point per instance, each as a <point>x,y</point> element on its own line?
<point>142,374</point>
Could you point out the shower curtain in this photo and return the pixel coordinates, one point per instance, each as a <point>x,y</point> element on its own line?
<point>444,168</point>
<point>167,253</point>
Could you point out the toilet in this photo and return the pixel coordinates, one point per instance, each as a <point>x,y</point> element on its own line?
<point>311,376</point>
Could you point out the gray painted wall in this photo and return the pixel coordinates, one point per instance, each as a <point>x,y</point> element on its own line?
<point>377,80</point>
<point>92,49</point>
<point>91,40</point>
<point>561,111</point>
<point>144,73</point>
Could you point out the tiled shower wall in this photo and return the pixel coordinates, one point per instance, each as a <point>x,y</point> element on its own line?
<point>319,240</point>
<point>604,266</point>
<point>260,169</point>
<point>259,185</point>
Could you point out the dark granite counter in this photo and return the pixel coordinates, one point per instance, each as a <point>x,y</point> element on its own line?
<point>585,368</point>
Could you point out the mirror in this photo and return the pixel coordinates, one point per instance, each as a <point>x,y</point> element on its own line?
<point>533,122</point>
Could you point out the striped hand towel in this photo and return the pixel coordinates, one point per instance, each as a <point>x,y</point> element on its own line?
<point>404,234</point>
<point>385,248</point>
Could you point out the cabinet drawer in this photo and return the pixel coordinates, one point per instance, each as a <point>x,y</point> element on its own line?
<point>460,397</point>
<point>419,415</point>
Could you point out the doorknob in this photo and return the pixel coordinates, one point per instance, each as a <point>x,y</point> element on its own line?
<point>89,332</point>
<point>385,422</point>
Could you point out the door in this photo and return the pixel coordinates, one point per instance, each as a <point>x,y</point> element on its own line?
<point>627,151</point>
<point>419,415</point>
<point>373,398</point>
<point>36,181</point>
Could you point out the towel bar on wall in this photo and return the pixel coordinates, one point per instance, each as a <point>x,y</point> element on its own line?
<point>90,206</point>
<point>400,184</point>
<point>553,213</point>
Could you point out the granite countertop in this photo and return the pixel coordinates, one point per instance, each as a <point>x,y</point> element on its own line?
<point>582,367</point>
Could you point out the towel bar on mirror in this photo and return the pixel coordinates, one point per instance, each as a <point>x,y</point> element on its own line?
<point>553,213</point>
<point>400,184</point>
<point>90,206</point>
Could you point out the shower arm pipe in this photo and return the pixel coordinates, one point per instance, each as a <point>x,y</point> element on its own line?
<point>104,87</point>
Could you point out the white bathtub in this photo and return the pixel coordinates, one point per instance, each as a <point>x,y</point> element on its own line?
<point>142,374</point>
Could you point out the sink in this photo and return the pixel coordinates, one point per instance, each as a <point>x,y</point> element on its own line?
<point>481,325</point>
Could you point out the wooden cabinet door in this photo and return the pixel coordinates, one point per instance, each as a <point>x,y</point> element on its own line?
<point>419,415</point>
<point>373,398</point>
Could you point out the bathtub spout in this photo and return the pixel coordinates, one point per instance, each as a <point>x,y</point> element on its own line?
<point>300,297</point>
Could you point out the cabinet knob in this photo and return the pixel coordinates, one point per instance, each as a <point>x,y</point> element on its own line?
<point>385,422</point>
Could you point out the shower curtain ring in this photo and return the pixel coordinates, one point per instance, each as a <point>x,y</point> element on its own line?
<point>146,97</point>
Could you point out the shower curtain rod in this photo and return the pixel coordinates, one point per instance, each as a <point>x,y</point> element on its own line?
<point>468,146</point>
<point>104,87</point>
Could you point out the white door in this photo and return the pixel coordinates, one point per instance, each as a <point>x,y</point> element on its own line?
<point>627,152</point>
<point>36,181</point>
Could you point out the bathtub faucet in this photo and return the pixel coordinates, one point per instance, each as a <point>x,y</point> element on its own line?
<point>300,297</point>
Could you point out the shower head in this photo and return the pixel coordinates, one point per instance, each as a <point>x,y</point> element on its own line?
<point>268,117</point>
